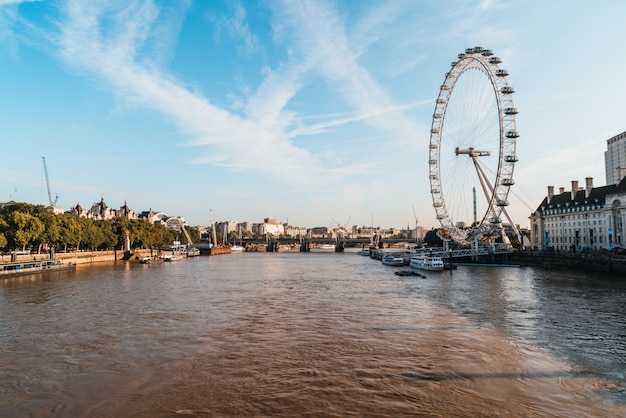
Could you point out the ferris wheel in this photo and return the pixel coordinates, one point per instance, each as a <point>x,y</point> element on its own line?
<point>472,147</point>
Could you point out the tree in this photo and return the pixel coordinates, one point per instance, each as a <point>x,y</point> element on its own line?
<point>93,236</point>
<point>432,239</point>
<point>3,229</point>
<point>70,231</point>
<point>51,232</point>
<point>27,228</point>
<point>3,241</point>
<point>108,238</point>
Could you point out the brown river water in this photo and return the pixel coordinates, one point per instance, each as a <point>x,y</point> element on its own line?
<point>329,335</point>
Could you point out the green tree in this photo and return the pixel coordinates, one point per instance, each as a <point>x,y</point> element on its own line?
<point>3,229</point>
<point>70,231</point>
<point>51,232</point>
<point>3,241</point>
<point>107,237</point>
<point>26,228</point>
<point>432,239</point>
<point>92,235</point>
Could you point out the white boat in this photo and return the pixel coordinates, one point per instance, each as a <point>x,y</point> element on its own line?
<point>236,248</point>
<point>171,257</point>
<point>392,260</point>
<point>425,262</point>
<point>325,248</point>
<point>364,252</point>
<point>289,248</point>
<point>192,251</point>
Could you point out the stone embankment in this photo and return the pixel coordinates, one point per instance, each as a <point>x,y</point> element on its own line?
<point>596,262</point>
<point>83,257</point>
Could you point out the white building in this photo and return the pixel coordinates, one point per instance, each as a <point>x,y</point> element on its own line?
<point>615,159</point>
<point>580,219</point>
<point>295,231</point>
<point>269,227</point>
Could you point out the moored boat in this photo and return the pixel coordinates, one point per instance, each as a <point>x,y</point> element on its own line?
<point>192,251</point>
<point>236,248</point>
<point>392,260</point>
<point>171,257</point>
<point>425,262</point>
<point>325,248</point>
<point>35,266</point>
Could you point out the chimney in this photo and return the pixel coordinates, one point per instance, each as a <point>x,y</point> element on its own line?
<point>588,186</point>
<point>550,193</point>
<point>574,188</point>
<point>561,190</point>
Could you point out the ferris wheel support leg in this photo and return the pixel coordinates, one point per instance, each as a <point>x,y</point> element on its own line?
<point>515,229</point>
<point>484,182</point>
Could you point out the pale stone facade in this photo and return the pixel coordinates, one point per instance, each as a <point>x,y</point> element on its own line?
<point>580,219</point>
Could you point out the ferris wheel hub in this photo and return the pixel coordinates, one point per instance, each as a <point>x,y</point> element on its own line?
<point>472,152</point>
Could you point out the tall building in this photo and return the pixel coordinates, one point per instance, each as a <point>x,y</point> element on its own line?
<point>615,159</point>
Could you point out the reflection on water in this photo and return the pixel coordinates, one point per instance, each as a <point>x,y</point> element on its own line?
<point>577,315</point>
<point>318,334</point>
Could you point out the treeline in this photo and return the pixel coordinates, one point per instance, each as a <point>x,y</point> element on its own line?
<point>24,225</point>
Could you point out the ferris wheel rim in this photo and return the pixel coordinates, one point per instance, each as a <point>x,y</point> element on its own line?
<point>481,59</point>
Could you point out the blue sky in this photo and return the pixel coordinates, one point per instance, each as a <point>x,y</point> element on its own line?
<point>315,113</point>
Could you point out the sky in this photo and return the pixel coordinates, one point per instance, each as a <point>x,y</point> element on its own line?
<point>316,113</point>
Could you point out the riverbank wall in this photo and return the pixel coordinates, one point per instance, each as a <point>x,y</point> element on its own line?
<point>593,262</point>
<point>82,257</point>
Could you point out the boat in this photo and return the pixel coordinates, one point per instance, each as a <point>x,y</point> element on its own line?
<point>237,248</point>
<point>325,248</point>
<point>145,260</point>
<point>376,253</point>
<point>392,260</point>
<point>178,252</point>
<point>34,266</point>
<point>171,257</point>
<point>425,262</point>
<point>288,248</point>
<point>364,252</point>
<point>192,251</point>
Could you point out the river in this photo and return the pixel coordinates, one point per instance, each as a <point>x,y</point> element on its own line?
<point>290,334</point>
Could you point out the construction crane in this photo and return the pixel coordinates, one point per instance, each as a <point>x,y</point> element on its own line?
<point>45,170</point>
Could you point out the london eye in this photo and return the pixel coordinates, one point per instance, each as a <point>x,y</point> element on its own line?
<point>472,147</point>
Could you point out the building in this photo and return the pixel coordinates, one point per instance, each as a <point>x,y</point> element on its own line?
<point>227,227</point>
<point>269,227</point>
<point>580,219</point>
<point>615,159</point>
<point>295,231</point>
<point>102,211</point>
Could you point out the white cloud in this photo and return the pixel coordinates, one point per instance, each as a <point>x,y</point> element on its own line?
<point>109,41</point>
<point>14,2</point>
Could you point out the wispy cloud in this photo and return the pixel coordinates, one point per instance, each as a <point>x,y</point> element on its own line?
<point>114,55</point>
<point>236,27</point>
<point>114,43</point>
<point>13,2</point>
<point>322,47</point>
<point>331,122</point>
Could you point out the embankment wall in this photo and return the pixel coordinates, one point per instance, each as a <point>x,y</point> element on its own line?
<point>81,257</point>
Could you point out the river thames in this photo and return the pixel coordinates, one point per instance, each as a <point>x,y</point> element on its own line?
<point>311,334</point>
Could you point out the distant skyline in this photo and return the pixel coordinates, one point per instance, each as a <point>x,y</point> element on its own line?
<point>312,112</point>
